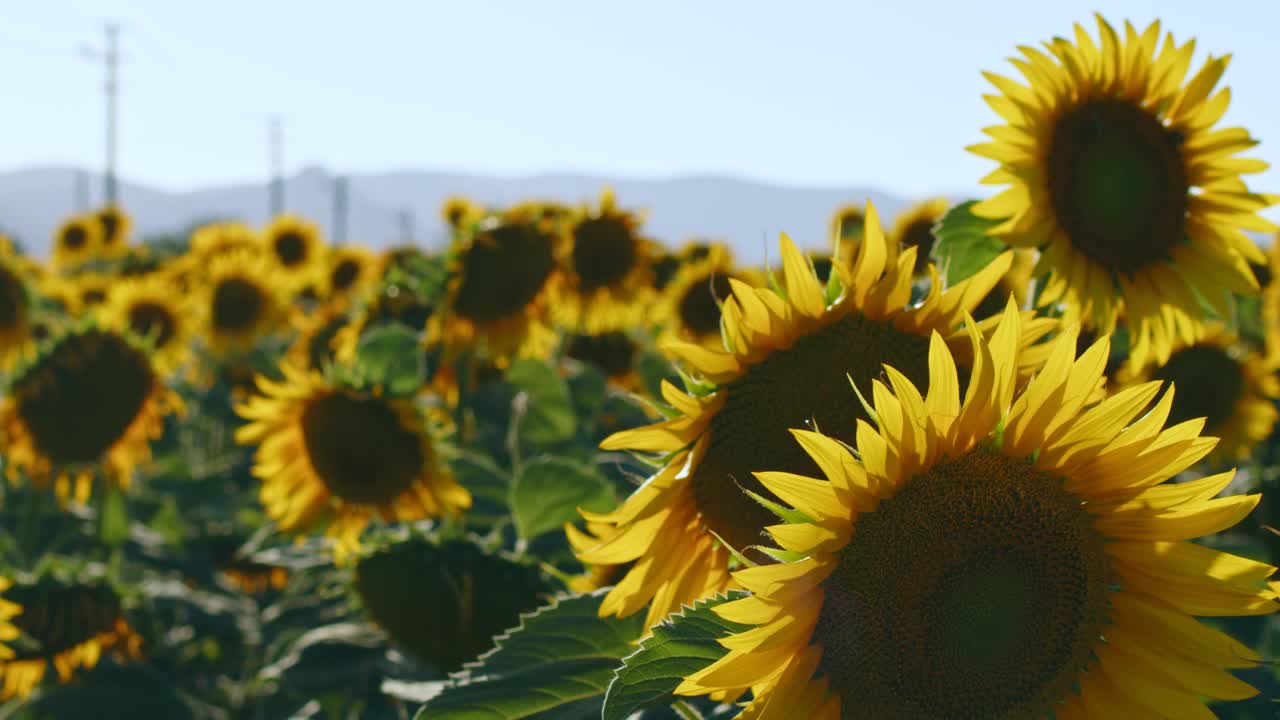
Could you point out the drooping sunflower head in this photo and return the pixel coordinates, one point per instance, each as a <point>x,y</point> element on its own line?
<point>113,241</point>
<point>91,403</point>
<point>329,456</point>
<point>1012,554</point>
<point>914,228</point>
<point>502,275</point>
<point>63,624</point>
<point>783,360</point>
<point>148,308</point>
<point>414,590</point>
<point>459,212</point>
<point>75,241</point>
<point>1222,380</point>
<point>243,299</point>
<point>296,248</point>
<point>607,266</point>
<point>1116,173</point>
<point>315,345</point>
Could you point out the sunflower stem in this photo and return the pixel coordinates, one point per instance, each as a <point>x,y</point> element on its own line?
<point>685,710</point>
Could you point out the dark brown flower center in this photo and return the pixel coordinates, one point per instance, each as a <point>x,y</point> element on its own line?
<point>604,252</point>
<point>804,386</point>
<point>359,448</point>
<point>614,354</point>
<point>1208,382</point>
<point>344,275</point>
<point>919,235</point>
<point>664,270</point>
<point>822,266</point>
<point>1118,184</point>
<point>110,223</point>
<point>238,305</point>
<point>74,237</point>
<point>58,618</point>
<point>291,248</point>
<point>81,396</point>
<point>503,271</point>
<point>152,320</point>
<point>978,591</point>
<point>700,307</point>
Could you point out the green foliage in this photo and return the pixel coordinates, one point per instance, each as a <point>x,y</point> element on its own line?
<point>390,357</point>
<point>556,664</point>
<point>547,413</point>
<point>681,645</point>
<point>963,246</point>
<point>548,492</point>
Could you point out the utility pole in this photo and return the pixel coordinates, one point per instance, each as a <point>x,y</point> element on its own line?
<point>110,58</point>
<point>339,210</point>
<point>406,226</point>
<point>276,149</point>
<point>81,191</point>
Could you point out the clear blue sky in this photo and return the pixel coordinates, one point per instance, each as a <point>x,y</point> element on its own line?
<point>882,94</point>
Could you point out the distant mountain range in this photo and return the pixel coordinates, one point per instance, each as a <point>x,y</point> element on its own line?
<point>747,214</point>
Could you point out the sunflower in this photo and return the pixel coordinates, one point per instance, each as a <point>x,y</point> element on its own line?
<point>608,275</point>
<point>75,241</point>
<point>91,291</point>
<point>296,249</point>
<point>316,333</point>
<point>352,270</point>
<point>847,224</point>
<point>914,228</point>
<point>614,354</point>
<point>690,304</point>
<point>243,300</point>
<point>1267,274</point>
<point>90,403</point>
<point>502,279</point>
<point>64,624</point>
<point>1014,555</point>
<point>332,456</point>
<point>786,359</point>
<point>1116,174</point>
<point>16,317</point>
<point>459,212</point>
<point>210,241</point>
<point>148,308</point>
<point>115,224</point>
<point>1221,379</point>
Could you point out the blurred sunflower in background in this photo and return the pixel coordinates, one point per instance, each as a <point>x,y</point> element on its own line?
<point>1116,174</point>
<point>1220,379</point>
<point>1015,283</point>
<point>90,404</point>
<point>608,275</point>
<point>297,249</point>
<point>689,307</point>
<point>502,277</point>
<point>315,336</point>
<point>914,228</point>
<point>91,291</point>
<point>214,239</point>
<point>784,360</point>
<point>149,308</point>
<point>116,224</point>
<point>75,241</point>
<point>1016,554</point>
<point>334,457</point>
<point>243,299</point>
<point>847,224</point>
<point>66,625</point>
<point>352,271</point>
<point>459,212</point>
<point>16,318</point>
<point>614,354</point>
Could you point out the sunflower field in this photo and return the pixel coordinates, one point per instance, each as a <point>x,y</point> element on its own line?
<point>999,458</point>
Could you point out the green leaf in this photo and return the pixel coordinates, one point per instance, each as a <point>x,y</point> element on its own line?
<point>548,492</point>
<point>963,246</point>
<point>113,527</point>
<point>681,645</point>
<point>653,369</point>
<point>390,357</point>
<point>558,662</point>
<point>549,416</point>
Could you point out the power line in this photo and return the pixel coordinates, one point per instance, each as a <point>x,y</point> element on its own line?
<point>109,56</point>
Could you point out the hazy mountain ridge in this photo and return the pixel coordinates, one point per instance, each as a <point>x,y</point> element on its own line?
<point>749,214</point>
